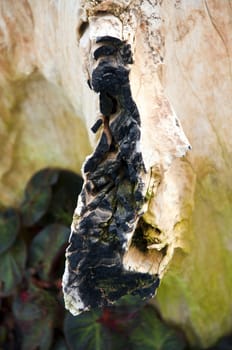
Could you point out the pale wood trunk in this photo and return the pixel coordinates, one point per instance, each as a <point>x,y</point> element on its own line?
<point>182,51</point>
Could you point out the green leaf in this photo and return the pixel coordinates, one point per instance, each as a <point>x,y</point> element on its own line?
<point>35,204</point>
<point>84,332</point>
<point>130,303</point>
<point>153,334</point>
<point>12,263</point>
<point>34,310</point>
<point>64,197</point>
<point>46,247</point>
<point>45,177</point>
<point>9,228</point>
<point>37,196</point>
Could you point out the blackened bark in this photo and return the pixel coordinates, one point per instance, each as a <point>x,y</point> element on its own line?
<point>112,197</point>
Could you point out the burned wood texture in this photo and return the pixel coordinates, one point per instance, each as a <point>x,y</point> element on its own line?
<point>112,198</point>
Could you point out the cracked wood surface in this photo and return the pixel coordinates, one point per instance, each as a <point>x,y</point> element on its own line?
<point>186,48</point>
<point>110,218</point>
<point>112,197</point>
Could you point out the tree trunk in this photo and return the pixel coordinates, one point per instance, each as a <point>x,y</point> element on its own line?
<point>182,58</point>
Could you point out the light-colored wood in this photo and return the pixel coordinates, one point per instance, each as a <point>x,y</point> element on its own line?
<point>47,109</point>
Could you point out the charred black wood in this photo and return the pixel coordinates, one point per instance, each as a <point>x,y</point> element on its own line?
<point>108,104</point>
<point>126,54</point>
<point>101,150</point>
<point>96,126</point>
<point>110,40</point>
<point>109,79</point>
<point>104,50</point>
<point>113,193</point>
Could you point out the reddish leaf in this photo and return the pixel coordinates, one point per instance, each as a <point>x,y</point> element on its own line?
<point>35,316</point>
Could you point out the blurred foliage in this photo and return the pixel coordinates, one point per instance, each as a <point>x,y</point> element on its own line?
<point>33,239</point>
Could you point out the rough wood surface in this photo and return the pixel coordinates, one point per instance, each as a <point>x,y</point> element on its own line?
<point>184,47</point>
<point>115,216</point>
<point>112,198</point>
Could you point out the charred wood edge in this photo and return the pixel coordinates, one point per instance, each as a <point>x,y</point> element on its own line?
<point>112,197</point>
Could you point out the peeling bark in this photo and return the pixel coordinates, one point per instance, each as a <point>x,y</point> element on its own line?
<point>112,228</point>
<point>111,201</point>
